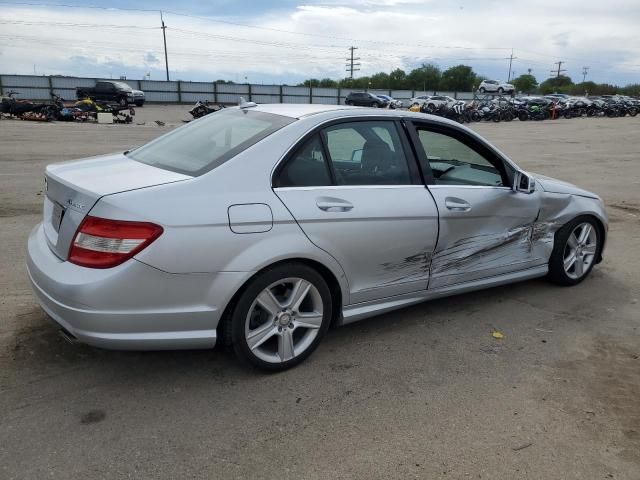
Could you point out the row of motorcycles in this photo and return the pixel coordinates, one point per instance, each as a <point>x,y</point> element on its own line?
<point>78,111</point>
<point>505,111</point>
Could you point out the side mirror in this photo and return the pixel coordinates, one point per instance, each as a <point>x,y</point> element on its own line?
<point>523,183</point>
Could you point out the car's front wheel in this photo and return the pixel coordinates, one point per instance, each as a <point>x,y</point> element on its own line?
<point>281,317</point>
<point>576,249</point>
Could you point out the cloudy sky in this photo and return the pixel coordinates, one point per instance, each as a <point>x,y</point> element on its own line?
<point>288,41</point>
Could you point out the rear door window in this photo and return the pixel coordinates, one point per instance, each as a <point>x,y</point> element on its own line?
<point>367,153</point>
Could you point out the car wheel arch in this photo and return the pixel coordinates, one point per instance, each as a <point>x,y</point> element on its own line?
<point>327,274</point>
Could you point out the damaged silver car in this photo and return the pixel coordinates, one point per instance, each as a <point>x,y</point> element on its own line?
<point>260,226</point>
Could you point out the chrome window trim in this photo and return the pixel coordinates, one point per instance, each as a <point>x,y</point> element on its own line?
<point>500,187</point>
<point>347,187</point>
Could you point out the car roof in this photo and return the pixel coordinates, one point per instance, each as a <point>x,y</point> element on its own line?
<point>340,111</point>
<point>299,110</point>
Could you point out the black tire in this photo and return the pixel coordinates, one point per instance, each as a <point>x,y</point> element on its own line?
<point>557,272</point>
<point>481,89</point>
<point>523,116</point>
<point>123,101</point>
<point>500,90</point>
<point>349,102</point>
<point>234,328</point>
<point>139,104</point>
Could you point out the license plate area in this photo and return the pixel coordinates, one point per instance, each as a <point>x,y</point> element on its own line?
<point>57,214</point>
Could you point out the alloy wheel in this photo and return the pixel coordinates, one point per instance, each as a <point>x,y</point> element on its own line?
<point>284,320</point>
<point>580,250</point>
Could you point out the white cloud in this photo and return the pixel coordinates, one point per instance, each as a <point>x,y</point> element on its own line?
<point>389,34</point>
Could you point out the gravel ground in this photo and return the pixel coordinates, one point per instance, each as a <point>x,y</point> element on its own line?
<point>424,392</point>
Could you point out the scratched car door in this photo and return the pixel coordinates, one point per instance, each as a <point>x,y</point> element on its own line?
<point>371,214</point>
<point>486,228</point>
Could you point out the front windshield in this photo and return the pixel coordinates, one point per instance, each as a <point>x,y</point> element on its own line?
<point>209,142</point>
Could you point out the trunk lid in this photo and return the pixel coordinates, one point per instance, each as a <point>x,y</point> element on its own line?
<point>73,188</point>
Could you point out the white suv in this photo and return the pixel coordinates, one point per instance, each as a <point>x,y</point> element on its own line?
<point>495,86</point>
<point>432,100</point>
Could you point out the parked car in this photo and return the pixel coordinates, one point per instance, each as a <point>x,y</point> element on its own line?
<point>138,97</point>
<point>391,102</point>
<point>108,90</point>
<point>490,86</point>
<point>365,99</point>
<point>172,245</point>
<point>432,101</point>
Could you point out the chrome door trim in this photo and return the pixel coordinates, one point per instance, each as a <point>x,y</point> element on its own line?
<point>470,186</point>
<point>346,187</point>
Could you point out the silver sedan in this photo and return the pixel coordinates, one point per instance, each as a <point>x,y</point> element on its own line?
<point>261,226</point>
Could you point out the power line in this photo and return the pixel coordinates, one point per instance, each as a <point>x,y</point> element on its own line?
<point>164,38</point>
<point>238,24</point>
<point>511,58</point>
<point>560,69</point>
<point>351,66</point>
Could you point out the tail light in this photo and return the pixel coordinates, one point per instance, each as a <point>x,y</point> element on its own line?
<point>104,243</point>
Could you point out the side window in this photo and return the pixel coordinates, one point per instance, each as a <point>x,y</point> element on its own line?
<point>454,163</point>
<point>367,153</point>
<point>307,168</point>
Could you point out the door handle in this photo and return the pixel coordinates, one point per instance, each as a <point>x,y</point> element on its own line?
<point>457,204</point>
<point>334,205</point>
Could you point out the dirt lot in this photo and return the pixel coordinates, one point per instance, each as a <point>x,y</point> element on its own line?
<point>424,392</point>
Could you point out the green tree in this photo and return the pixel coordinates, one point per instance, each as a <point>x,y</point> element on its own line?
<point>327,83</point>
<point>397,79</point>
<point>460,78</point>
<point>561,84</point>
<point>632,90</point>
<point>525,83</point>
<point>380,80</point>
<point>424,78</point>
<point>311,82</point>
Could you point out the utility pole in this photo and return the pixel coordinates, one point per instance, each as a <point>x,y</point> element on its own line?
<point>164,36</point>
<point>560,69</point>
<point>585,70</point>
<point>351,66</point>
<point>511,58</point>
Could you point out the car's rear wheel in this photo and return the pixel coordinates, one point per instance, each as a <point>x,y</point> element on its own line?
<point>500,90</point>
<point>281,317</point>
<point>349,102</point>
<point>481,89</point>
<point>576,249</point>
<point>123,102</point>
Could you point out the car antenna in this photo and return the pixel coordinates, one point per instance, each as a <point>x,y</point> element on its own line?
<point>244,104</point>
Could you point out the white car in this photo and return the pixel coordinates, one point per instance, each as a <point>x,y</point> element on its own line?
<point>432,100</point>
<point>491,86</point>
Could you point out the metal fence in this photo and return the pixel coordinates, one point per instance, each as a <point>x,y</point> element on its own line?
<point>34,87</point>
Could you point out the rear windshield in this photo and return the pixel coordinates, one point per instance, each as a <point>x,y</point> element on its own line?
<point>209,142</point>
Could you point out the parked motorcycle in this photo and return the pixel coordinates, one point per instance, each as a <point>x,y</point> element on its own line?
<point>200,109</point>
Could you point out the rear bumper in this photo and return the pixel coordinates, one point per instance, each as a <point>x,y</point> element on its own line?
<point>132,306</point>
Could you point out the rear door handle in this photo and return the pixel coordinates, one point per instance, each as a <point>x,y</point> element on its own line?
<point>457,204</point>
<point>333,205</point>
